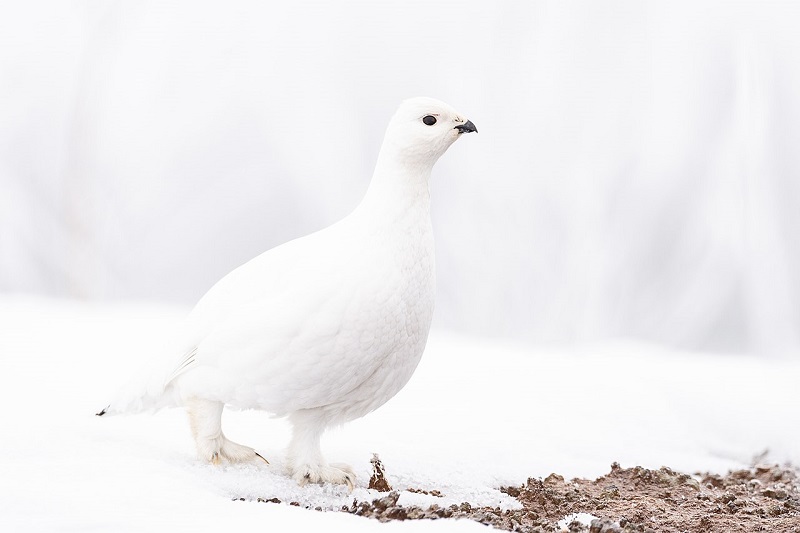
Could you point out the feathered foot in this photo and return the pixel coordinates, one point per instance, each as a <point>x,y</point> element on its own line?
<point>205,419</point>
<point>338,473</point>
<point>221,450</point>
<point>306,463</point>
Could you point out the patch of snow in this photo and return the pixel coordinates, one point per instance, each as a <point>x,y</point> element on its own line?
<point>582,518</point>
<point>476,416</point>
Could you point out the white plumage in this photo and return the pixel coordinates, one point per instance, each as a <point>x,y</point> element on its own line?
<point>322,329</point>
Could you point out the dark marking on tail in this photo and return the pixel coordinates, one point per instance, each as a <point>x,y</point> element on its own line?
<point>104,411</point>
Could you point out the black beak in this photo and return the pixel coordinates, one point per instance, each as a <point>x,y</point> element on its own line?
<point>467,127</point>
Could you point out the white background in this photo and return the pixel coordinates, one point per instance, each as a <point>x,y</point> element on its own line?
<point>635,174</point>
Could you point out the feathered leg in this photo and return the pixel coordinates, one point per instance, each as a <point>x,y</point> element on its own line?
<point>205,419</point>
<point>305,455</point>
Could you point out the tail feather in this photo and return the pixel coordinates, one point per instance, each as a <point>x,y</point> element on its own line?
<point>137,399</point>
<point>150,391</point>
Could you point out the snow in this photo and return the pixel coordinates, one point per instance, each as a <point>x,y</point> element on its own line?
<point>642,162</point>
<point>583,518</point>
<point>478,414</point>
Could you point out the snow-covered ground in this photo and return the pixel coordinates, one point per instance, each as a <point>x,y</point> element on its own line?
<point>477,414</point>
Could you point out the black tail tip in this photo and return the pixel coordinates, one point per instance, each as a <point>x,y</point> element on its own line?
<point>104,411</point>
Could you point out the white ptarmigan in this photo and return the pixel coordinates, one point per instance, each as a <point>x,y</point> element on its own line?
<point>322,329</point>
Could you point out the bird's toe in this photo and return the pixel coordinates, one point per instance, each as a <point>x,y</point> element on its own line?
<point>221,450</point>
<point>338,474</point>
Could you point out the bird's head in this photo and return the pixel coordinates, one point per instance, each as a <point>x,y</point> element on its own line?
<point>423,129</point>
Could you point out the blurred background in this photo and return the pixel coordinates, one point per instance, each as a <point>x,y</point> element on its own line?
<point>636,174</point>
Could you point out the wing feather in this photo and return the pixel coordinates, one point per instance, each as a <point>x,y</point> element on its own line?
<point>189,360</point>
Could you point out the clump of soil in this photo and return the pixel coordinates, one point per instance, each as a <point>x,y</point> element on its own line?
<point>435,493</point>
<point>628,500</point>
<point>378,480</point>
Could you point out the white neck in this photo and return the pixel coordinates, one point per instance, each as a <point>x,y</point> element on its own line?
<point>399,185</point>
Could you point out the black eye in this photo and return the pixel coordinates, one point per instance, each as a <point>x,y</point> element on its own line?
<point>429,120</point>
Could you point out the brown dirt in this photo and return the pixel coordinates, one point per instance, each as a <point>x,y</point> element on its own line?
<point>378,480</point>
<point>627,500</point>
<point>762,498</point>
